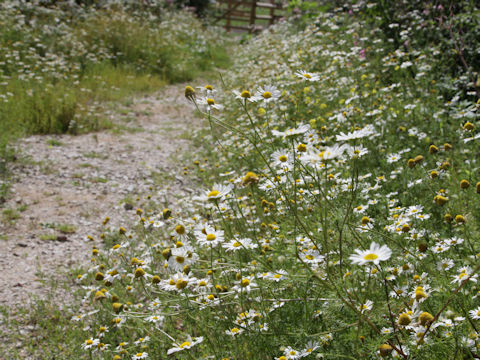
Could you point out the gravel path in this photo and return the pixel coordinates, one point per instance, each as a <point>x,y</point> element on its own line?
<point>65,185</point>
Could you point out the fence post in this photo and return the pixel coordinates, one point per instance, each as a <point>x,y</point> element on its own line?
<point>253,14</point>
<point>229,7</point>
<point>272,13</point>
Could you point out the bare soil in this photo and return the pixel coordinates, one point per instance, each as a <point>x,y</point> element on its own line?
<point>65,185</point>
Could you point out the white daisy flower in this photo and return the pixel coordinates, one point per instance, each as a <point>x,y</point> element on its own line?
<point>209,104</point>
<point>140,355</point>
<point>307,75</point>
<point>475,313</point>
<point>375,254</point>
<point>90,343</point>
<point>237,244</point>
<point>189,343</point>
<point>217,191</point>
<point>235,331</point>
<point>208,236</point>
<point>268,94</point>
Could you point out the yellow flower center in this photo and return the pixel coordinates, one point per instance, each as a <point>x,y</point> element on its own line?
<point>210,102</point>
<point>309,257</point>
<point>89,342</point>
<point>282,158</point>
<point>186,343</point>
<point>180,259</point>
<point>211,237</point>
<point>307,76</point>
<point>245,282</point>
<point>277,276</point>
<point>139,355</point>
<point>237,244</point>
<point>213,193</point>
<point>245,94</point>
<point>209,87</point>
<point>370,257</point>
<point>267,94</point>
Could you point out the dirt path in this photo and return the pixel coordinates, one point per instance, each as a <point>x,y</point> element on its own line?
<point>66,185</point>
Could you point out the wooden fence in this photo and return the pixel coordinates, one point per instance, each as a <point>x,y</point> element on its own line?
<point>248,15</point>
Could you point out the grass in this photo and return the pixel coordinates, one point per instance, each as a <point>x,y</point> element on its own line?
<point>106,55</point>
<point>48,237</point>
<point>41,328</point>
<point>10,216</point>
<point>53,142</point>
<point>66,228</point>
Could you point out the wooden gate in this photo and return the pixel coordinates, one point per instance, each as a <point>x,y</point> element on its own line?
<point>248,15</point>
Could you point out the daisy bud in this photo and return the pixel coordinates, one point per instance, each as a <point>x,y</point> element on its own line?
<point>365,220</point>
<point>181,284</point>
<point>447,146</point>
<point>245,282</point>
<point>440,200</point>
<point>122,230</point>
<point>302,147</point>
<point>468,126</point>
<point>250,178</point>
<point>156,279</point>
<point>433,174</point>
<point>433,149</point>
<point>464,184</point>
<point>460,219</point>
<point>180,229</point>
<point>478,187</point>
<point>117,307</point>
<point>445,165</point>
<point>115,298</point>
<point>404,319</point>
<point>448,218</point>
<point>425,318</point>
<point>411,163</point>
<point>405,228</point>
<point>422,247</point>
<point>420,294</point>
<point>99,295</point>
<point>139,272</point>
<point>385,350</point>
<point>99,276</point>
<point>189,92</point>
<point>418,159</point>
<point>166,253</point>
<point>246,94</point>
